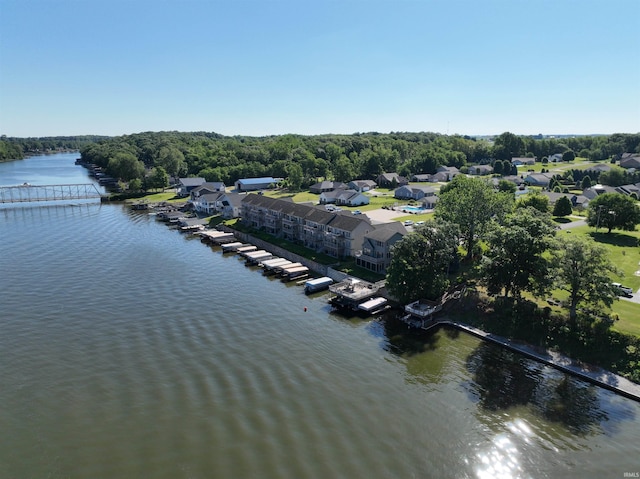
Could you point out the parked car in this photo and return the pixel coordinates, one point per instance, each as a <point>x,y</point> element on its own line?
<point>623,290</point>
<point>408,223</point>
<point>356,212</point>
<point>418,223</point>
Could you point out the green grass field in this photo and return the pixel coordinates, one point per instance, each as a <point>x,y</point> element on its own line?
<point>629,317</point>
<point>157,198</point>
<point>624,252</point>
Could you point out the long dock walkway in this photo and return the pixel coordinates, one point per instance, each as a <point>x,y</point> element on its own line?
<point>593,374</point>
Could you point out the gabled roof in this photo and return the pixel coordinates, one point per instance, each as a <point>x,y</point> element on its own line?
<point>389,177</point>
<point>422,177</point>
<point>324,185</point>
<point>191,181</point>
<point>211,196</point>
<point>364,182</point>
<point>231,199</point>
<point>541,178</point>
<point>630,162</point>
<point>599,167</point>
<point>386,231</point>
<point>348,222</point>
<point>257,181</point>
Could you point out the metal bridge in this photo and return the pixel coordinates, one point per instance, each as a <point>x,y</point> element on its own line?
<point>27,193</point>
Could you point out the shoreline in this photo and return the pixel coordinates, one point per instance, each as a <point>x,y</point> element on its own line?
<point>592,374</point>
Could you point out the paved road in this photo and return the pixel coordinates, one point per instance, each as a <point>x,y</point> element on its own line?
<point>573,224</point>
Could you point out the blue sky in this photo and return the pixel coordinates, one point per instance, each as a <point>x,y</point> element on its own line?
<point>262,67</point>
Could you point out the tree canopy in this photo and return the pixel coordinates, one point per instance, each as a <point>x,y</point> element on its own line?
<point>514,261</point>
<point>562,207</point>
<point>471,203</point>
<point>613,211</point>
<point>583,270</point>
<point>421,260</point>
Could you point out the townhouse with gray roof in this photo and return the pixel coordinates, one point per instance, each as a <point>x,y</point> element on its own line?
<point>376,247</point>
<point>339,234</point>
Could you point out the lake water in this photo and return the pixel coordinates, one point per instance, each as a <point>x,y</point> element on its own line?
<point>129,350</point>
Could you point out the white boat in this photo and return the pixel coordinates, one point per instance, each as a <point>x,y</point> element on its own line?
<point>374,305</point>
<point>317,284</point>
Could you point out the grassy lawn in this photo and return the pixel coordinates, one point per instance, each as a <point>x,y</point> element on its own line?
<point>623,251</point>
<point>416,218</point>
<point>169,197</point>
<point>629,314</point>
<point>625,255</point>
<point>297,197</point>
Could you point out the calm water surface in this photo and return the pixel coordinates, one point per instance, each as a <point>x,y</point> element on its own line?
<point>128,350</point>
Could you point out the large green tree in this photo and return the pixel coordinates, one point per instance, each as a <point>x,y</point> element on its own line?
<point>172,160</point>
<point>158,178</point>
<point>613,211</point>
<point>125,166</point>
<point>507,146</point>
<point>583,270</point>
<point>421,260</point>
<point>514,261</point>
<point>562,207</point>
<point>535,200</point>
<point>472,203</point>
<point>294,170</point>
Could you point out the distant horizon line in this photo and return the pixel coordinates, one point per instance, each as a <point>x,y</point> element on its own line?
<point>485,135</point>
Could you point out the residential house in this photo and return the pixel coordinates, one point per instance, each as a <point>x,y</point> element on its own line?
<point>413,192</point>
<point>449,172</point>
<point>344,198</point>
<point>207,187</point>
<point>324,186</point>
<point>555,158</point>
<point>630,161</point>
<point>255,184</point>
<point>186,185</point>
<point>515,179</point>
<point>390,180</point>
<point>376,246</point>
<point>599,168</point>
<point>480,170</point>
<point>538,179</point>
<point>596,190</point>
<point>361,185</point>
<point>440,177</point>
<point>208,203</point>
<point>577,201</point>
<point>519,161</point>
<point>429,202</point>
<point>629,190</point>
<point>421,178</point>
<point>230,204</point>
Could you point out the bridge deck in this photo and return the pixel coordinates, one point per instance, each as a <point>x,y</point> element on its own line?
<point>32,193</point>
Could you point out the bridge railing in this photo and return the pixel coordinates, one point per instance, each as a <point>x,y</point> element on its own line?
<point>27,193</point>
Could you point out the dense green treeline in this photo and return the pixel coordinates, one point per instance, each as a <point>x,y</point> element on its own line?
<point>17,148</point>
<point>341,157</point>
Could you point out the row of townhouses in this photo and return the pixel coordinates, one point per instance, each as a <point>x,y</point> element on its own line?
<point>339,234</point>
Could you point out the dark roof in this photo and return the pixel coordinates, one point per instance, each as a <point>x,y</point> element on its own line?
<point>191,181</point>
<point>323,185</point>
<point>387,231</point>
<point>348,221</point>
<point>212,196</point>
